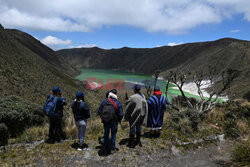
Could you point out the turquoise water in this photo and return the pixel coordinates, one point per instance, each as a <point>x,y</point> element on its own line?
<point>103,76</point>
<point>107,75</point>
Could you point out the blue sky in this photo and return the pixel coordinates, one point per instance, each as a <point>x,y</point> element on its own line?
<point>118,23</point>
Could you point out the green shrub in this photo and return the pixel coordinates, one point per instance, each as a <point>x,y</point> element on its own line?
<point>241,153</point>
<point>233,113</point>
<point>17,114</point>
<point>186,121</point>
<point>3,134</point>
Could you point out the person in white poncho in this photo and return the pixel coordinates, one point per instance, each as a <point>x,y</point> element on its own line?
<point>136,114</point>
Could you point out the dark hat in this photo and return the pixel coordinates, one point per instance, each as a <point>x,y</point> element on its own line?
<point>157,88</point>
<point>79,95</point>
<point>56,89</point>
<point>114,91</point>
<point>137,87</point>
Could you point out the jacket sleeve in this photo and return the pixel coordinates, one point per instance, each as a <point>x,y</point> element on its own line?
<point>61,101</point>
<point>101,107</point>
<point>149,105</point>
<point>86,109</point>
<point>64,101</point>
<point>127,111</point>
<point>120,111</point>
<point>72,105</point>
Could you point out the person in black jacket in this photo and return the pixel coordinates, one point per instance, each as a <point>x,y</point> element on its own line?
<point>55,128</point>
<point>81,114</point>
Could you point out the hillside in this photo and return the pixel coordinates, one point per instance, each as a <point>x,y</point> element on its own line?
<point>25,70</point>
<point>43,51</point>
<point>224,53</point>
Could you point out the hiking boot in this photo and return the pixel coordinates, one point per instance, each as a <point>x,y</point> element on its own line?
<point>131,142</point>
<point>50,141</point>
<point>82,147</point>
<point>114,150</point>
<point>138,139</point>
<point>157,135</point>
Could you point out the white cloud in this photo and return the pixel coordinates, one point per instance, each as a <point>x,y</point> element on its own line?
<point>169,16</point>
<point>235,31</point>
<point>174,44</point>
<point>84,46</point>
<point>55,42</point>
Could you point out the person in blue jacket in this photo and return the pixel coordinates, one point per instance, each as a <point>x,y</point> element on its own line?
<point>55,128</point>
<point>113,126</point>
<point>81,114</point>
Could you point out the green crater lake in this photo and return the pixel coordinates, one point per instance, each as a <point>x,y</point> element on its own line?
<point>104,75</point>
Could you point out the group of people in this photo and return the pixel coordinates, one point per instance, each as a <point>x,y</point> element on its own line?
<point>138,112</point>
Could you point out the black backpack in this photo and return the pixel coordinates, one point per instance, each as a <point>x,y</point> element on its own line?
<point>108,113</point>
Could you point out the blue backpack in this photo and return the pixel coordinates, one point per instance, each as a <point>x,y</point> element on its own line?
<point>49,108</point>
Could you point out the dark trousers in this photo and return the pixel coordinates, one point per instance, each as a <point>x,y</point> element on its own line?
<point>107,127</point>
<point>55,129</point>
<point>136,128</point>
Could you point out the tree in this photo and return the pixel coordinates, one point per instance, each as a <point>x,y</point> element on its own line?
<point>149,85</point>
<point>218,83</point>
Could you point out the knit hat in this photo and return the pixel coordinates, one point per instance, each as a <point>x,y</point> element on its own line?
<point>157,88</point>
<point>56,89</point>
<point>137,87</point>
<point>79,95</point>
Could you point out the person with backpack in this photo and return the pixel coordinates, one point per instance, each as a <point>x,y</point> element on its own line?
<point>53,108</point>
<point>81,114</point>
<point>111,113</point>
<point>136,114</point>
<point>156,108</point>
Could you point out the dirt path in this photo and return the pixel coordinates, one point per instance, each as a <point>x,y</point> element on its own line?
<point>64,154</point>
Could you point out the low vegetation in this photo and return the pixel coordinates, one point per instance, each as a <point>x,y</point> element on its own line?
<point>16,114</point>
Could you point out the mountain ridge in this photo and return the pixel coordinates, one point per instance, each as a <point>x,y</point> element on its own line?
<point>224,53</point>
<point>26,74</point>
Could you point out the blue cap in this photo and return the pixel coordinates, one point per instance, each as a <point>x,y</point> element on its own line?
<point>79,95</point>
<point>56,89</point>
<point>157,88</point>
<point>137,87</point>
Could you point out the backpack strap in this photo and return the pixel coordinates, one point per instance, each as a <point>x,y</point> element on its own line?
<point>114,104</point>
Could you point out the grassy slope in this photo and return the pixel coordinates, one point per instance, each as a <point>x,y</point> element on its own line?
<point>43,51</point>
<point>25,74</point>
<point>154,151</point>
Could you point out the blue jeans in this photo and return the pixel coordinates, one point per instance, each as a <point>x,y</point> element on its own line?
<point>81,126</point>
<point>137,127</point>
<point>107,127</point>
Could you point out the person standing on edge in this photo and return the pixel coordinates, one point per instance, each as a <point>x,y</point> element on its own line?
<point>55,101</point>
<point>111,113</point>
<point>136,114</point>
<point>156,108</point>
<point>81,114</point>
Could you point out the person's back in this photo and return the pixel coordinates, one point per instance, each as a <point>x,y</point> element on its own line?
<point>113,125</point>
<point>80,110</point>
<point>136,114</point>
<point>156,108</point>
<point>136,108</point>
<point>81,114</point>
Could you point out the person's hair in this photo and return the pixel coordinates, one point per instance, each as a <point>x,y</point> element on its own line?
<point>157,88</point>
<point>137,90</point>
<point>114,91</point>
